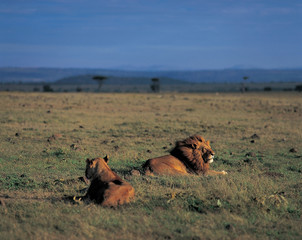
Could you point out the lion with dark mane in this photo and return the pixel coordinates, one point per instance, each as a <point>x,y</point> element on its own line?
<point>106,187</point>
<point>190,156</point>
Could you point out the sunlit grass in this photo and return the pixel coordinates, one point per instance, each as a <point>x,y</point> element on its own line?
<point>46,138</point>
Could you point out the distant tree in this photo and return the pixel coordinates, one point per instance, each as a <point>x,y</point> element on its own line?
<point>267,89</point>
<point>47,88</point>
<point>79,89</point>
<point>243,88</point>
<point>298,88</point>
<point>155,85</point>
<point>100,80</point>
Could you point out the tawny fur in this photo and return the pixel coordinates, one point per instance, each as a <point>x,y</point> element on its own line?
<point>106,187</point>
<point>190,156</point>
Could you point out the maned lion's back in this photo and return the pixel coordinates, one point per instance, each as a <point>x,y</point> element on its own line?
<point>168,165</point>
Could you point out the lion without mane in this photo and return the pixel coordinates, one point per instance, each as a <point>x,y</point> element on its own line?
<point>106,187</point>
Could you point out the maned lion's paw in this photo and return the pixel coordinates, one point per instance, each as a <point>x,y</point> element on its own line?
<point>79,201</point>
<point>224,172</point>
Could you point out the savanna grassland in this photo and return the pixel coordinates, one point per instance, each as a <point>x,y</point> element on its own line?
<point>46,137</point>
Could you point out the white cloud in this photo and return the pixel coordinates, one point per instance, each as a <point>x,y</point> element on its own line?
<point>39,48</point>
<point>260,9</point>
<point>18,11</point>
<point>236,10</point>
<point>277,11</point>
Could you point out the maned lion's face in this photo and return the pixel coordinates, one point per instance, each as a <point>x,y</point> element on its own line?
<point>207,152</point>
<point>92,166</point>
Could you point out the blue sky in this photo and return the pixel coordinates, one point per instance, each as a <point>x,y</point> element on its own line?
<point>151,34</point>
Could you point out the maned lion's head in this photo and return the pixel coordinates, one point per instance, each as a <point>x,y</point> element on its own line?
<point>195,152</point>
<point>94,166</point>
<point>204,147</point>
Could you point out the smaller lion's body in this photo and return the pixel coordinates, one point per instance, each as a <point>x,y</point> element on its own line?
<point>190,156</point>
<point>106,187</point>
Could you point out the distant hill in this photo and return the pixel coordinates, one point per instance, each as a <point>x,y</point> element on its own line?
<point>27,75</point>
<point>87,79</point>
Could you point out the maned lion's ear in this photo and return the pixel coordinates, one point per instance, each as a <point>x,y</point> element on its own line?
<point>106,158</point>
<point>208,142</point>
<point>88,160</point>
<point>194,145</point>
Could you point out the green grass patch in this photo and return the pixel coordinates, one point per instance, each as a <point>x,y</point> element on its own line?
<point>46,138</point>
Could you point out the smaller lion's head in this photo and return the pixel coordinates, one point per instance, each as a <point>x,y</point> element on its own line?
<point>195,152</point>
<point>94,166</point>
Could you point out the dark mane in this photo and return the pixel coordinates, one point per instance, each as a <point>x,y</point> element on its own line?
<point>189,152</point>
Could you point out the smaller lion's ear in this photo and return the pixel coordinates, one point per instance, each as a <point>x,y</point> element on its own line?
<point>208,142</point>
<point>106,158</point>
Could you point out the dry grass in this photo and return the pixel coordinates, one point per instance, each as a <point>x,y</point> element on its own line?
<point>45,139</point>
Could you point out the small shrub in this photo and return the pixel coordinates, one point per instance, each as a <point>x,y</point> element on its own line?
<point>18,182</point>
<point>298,88</point>
<point>47,88</point>
<point>267,89</point>
<point>155,86</point>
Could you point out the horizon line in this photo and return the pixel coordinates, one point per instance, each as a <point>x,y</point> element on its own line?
<point>145,69</point>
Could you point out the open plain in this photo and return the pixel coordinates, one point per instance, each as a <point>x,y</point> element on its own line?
<point>46,137</point>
